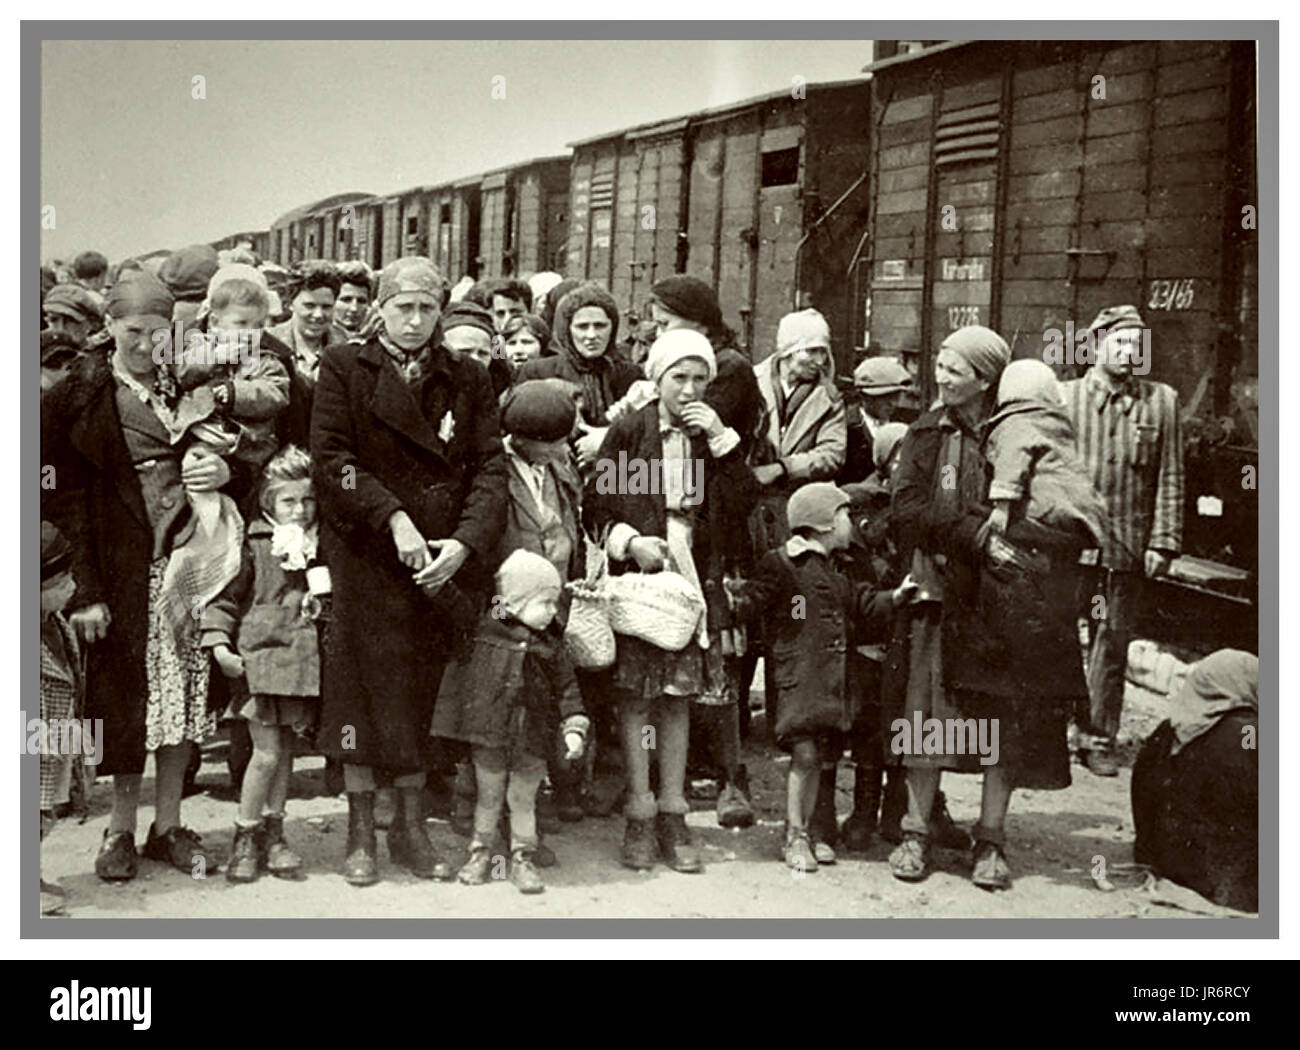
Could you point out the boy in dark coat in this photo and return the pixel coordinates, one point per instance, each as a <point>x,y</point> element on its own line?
<point>506,699</point>
<point>810,609</point>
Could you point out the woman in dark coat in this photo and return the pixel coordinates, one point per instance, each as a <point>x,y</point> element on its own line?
<point>118,491</point>
<point>407,459</point>
<point>583,338</point>
<point>671,527</point>
<point>1196,784</point>
<point>992,634</point>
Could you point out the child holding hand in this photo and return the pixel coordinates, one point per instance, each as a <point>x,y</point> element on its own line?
<point>507,698</point>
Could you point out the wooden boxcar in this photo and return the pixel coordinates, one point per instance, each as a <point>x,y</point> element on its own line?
<point>312,231</point>
<point>765,199</point>
<point>1026,185</point>
<point>523,227</point>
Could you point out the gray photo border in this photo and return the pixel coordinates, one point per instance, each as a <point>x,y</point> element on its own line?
<point>1266,925</point>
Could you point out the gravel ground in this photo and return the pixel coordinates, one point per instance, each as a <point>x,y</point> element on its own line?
<point>1053,838</point>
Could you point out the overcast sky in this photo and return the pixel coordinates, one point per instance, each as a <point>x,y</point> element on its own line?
<point>132,162</point>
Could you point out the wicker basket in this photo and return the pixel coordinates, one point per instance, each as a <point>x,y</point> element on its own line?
<point>661,608</point>
<point>588,637</point>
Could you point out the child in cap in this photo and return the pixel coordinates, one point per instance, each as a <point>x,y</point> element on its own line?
<point>812,612</point>
<point>508,699</point>
<point>61,690</point>
<point>261,631</point>
<point>1040,487</point>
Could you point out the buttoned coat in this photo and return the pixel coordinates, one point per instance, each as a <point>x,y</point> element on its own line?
<point>379,446</point>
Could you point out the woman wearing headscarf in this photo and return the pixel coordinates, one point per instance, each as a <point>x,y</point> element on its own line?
<point>583,337</point>
<point>676,527</point>
<point>123,498</point>
<point>411,482</point>
<point>987,612</point>
<point>1196,784</point>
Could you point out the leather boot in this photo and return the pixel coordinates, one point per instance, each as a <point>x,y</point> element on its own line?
<point>245,855</point>
<point>857,831</point>
<point>277,857</point>
<point>408,842</point>
<point>359,867</point>
<point>822,828</point>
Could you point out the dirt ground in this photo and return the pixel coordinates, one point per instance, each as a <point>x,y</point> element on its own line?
<point>1053,840</point>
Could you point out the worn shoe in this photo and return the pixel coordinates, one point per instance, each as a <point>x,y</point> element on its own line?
<point>245,855</point>
<point>991,871</point>
<point>408,841</point>
<point>568,805</point>
<point>478,869</point>
<point>675,844</point>
<point>910,860</point>
<point>116,861</point>
<point>602,796</point>
<point>799,855</point>
<point>181,848</point>
<point>523,873</point>
<point>640,849</point>
<point>277,857</point>
<point>1101,761</point>
<point>824,852</point>
<point>944,831</point>
<point>359,864</point>
<point>734,810</point>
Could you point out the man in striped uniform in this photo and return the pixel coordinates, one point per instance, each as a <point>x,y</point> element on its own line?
<point>1128,437</point>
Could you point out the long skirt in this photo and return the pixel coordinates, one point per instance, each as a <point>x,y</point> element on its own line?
<point>1031,744</point>
<point>176,670</point>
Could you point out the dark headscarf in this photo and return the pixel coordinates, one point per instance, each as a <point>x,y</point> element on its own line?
<point>594,373</point>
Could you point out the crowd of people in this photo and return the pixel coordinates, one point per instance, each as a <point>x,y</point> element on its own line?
<point>364,513</point>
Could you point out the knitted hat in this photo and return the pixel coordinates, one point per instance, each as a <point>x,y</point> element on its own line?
<point>57,348</point>
<point>982,348</point>
<point>690,299</point>
<point>56,552</point>
<point>674,346</point>
<point>802,330</point>
<point>140,292</point>
<point>465,314</point>
<point>877,376</point>
<point>525,575</point>
<point>188,271</point>
<point>541,409</point>
<point>411,273</point>
<point>72,300</point>
<point>1029,380</point>
<point>1114,318</point>
<point>813,506</point>
<point>887,438</point>
<point>234,272</point>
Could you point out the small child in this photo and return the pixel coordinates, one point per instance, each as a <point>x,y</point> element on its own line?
<point>261,630</point>
<point>505,699</point>
<point>232,391</point>
<point>811,610</point>
<point>61,686</point>
<point>1038,481</point>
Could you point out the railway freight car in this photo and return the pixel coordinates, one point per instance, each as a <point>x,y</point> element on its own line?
<point>1026,185</point>
<point>765,199</point>
<point>311,232</point>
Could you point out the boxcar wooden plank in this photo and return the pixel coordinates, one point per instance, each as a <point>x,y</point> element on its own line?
<point>904,156</point>
<point>903,201</point>
<point>1048,266</point>
<point>1185,168</point>
<point>1201,137</point>
<point>1109,178</point>
<point>1046,106</point>
<point>1046,132</point>
<point>962,193</point>
<point>1106,118</point>
<point>1058,76</point>
<point>903,134</point>
<point>1031,239</point>
<point>1124,59</point>
<point>1207,51</point>
<point>896,248</point>
<point>911,178</point>
<point>949,293</point>
<point>901,110</point>
<point>1185,261</point>
<point>1204,200</point>
<point>1057,212</point>
<point>1046,186</point>
<point>1115,149</point>
<point>970,217</point>
<point>1122,88</point>
<point>1191,106</point>
<point>1108,207</point>
<point>963,243</point>
<point>901,225</point>
<point>896,315</point>
<point>1190,76</point>
<point>1172,232</point>
<point>973,93</point>
<point>1030,292</point>
<point>1038,159</point>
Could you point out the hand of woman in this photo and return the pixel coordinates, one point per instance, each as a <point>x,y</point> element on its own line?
<point>1004,555</point>
<point>451,556</point>
<point>768,473</point>
<point>588,444</point>
<point>229,661</point>
<point>702,415</point>
<point>412,550</point>
<point>203,472</point>
<point>649,552</point>
<point>92,622</point>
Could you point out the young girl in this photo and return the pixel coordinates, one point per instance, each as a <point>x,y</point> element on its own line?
<point>61,686</point>
<point>809,650</point>
<point>261,631</point>
<point>505,699</point>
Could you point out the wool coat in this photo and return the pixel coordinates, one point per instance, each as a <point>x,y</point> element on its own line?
<point>94,496</point>
<point>379,446</point>
<point>510,692</point>
<point>259,615</point>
